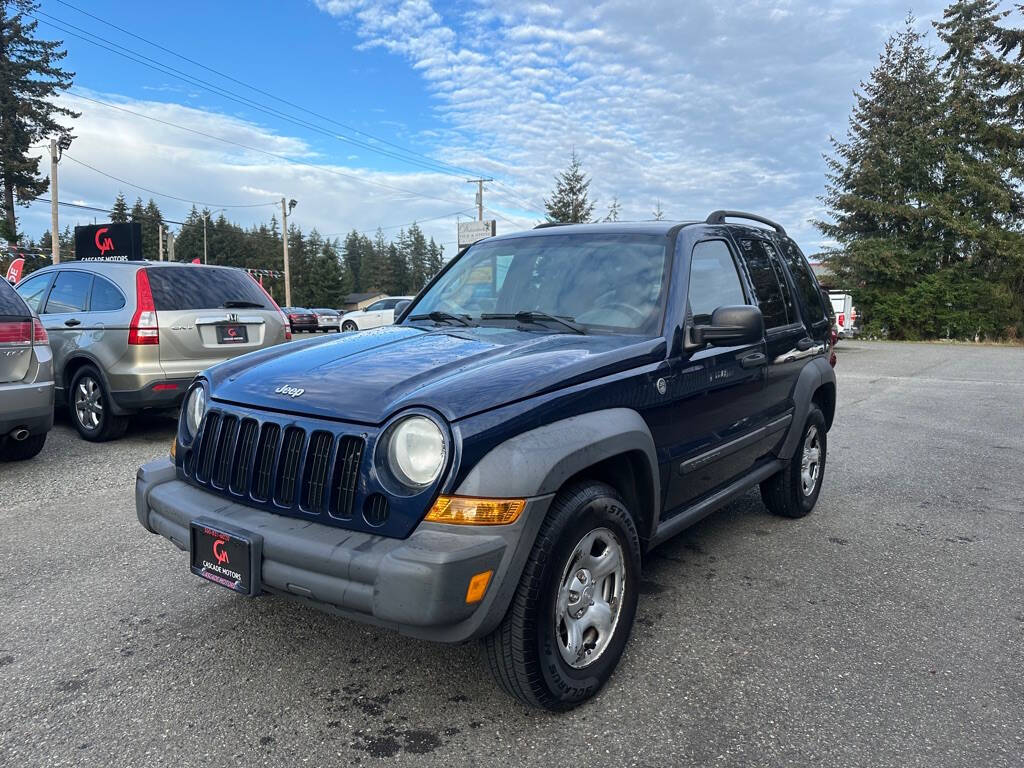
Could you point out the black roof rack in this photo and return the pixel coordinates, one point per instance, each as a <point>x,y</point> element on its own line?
<point>547,224</point>
<point>719,217</point>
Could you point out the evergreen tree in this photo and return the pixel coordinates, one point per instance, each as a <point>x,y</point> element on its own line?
<point>613,210</point>
<point>399,271</point>
<point>352,257</point>
<point>151,231</point>
<point>381,275</point>
<point>435,260</point>
<point>416,249</point>
<point>659,212</point>
<point>882,185</point>
<point>569,202</point>
<point>119,213</point>
<point>29,79</point>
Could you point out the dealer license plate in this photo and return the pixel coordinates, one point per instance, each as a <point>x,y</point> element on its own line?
<point>228,558</point>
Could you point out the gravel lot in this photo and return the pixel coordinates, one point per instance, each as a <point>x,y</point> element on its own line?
<point>886,629</point>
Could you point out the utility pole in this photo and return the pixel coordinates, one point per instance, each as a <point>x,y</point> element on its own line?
<point>170,245</point>
<point>479,196</point>
<point>160,240</point>
<point>204,237</point>
<point>54,223</point>
<point>286,207</point>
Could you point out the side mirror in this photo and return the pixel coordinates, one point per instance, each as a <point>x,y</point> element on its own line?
<point>731,326</point>
<point>400,307</point>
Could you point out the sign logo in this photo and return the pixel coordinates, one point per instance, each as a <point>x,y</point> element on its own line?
<point>103,244</point>
<point>286,389</point>
<point>14,270</point>
<point>219,552</point>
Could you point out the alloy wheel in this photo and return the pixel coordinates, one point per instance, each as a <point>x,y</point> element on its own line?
<point>89,403</point>
<point>810,461</point>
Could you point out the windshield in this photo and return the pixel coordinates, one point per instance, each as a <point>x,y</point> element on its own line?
<point>604,282</point>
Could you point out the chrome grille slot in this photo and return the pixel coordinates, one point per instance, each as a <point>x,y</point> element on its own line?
<point>243,456</point>
<point>288,466</point>
<point>266,452</point>
<point>346,477</point>
<point>315,479</point>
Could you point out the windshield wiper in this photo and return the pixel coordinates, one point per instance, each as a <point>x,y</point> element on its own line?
<point>241,304</point>
<point>536,316</point>
<point>443,317</point>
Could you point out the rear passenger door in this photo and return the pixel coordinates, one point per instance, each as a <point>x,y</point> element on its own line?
<point>784,330</point>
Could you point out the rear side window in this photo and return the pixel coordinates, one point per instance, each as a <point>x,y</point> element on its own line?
<point>105,296</point>
<point>33,290</point>
<point>714,281</point>
<point>803,278</point>
<point>10,302</point>
<point>70,292</point>
<point>198,288</point>
<point>772,291</point>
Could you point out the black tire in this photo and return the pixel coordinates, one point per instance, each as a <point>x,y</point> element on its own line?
<point>348,326</point>
<point>785,493</point>
<point>21,450</point>
<point>106,426</point>
<point>525,651</point>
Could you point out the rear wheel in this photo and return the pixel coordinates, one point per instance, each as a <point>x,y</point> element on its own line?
<point>20,450</point>
<point>349,325</point>
<point>573,610</point>
<point>794,491</point>
<point>89,403</point>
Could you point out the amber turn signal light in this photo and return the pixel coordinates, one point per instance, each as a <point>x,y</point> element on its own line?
<point>465,510</point>
<point>174,447</point>
<point>478,586</point>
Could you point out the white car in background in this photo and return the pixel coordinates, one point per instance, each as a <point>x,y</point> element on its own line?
<point>379,313</point>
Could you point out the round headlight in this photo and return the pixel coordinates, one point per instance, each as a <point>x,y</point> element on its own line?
<point>195,407</point>
<point>416,451</point>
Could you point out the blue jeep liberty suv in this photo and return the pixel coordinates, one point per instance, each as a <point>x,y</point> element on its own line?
<point>497,463</point>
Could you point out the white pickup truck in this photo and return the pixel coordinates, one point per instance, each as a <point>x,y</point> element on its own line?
<point>846,314</point>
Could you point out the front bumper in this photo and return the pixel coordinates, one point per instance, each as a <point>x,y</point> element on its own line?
<point>415,585</point>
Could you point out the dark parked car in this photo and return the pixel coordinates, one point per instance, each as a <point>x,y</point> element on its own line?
<point>495,465</point>
<point>301,319</point>
<point>26,379</point>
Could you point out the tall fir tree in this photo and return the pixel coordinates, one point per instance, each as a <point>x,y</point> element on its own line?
<point>119,211</point>
<point>416,253</point>
<point>435,258</point>
<point>30,77</point>
<point>151,224</point>
<point>569,202</point>
<point>881,185</point>
<point>352,255</point>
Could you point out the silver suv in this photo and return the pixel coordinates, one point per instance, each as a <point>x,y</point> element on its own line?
<point>26,379</point>
<point>130,336</point>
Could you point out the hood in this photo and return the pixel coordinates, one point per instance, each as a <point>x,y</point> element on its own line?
<point>366,377</point>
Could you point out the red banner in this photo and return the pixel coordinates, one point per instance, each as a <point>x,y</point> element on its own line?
<point>14,271</point>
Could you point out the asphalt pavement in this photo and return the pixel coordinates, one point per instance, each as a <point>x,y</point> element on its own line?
<point>886,629</point>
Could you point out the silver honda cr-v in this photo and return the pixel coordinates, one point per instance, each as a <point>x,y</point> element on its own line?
<point>130,336</point>
<point>26,379</point>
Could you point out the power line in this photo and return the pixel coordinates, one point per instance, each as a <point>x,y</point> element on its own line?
<point>166,69</point>
<point>162,194</point>
<point>284,158</point>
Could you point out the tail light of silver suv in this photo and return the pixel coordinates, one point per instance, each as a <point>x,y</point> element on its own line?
<point>143,328</point>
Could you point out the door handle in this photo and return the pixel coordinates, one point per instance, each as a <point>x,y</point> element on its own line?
<point>753,360</point>
<point>804,344</point>
<point>72,322</point>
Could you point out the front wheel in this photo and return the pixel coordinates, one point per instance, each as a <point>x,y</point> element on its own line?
<point>794,490</point>
<point>573,610</point>
<point>348,326</point>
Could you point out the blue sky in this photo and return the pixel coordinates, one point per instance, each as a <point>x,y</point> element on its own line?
<point>696,105</point>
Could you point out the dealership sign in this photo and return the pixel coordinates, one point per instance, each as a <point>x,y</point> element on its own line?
<point>109,242</point>
<point>14,270</point>
<point>471,231</point>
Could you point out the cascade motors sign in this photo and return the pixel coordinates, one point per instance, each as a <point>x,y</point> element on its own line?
<point>109,242</point>
<point>471,231</point>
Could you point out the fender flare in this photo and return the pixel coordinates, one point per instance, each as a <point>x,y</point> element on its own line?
<point>815,374</point>
<point>539,461</point>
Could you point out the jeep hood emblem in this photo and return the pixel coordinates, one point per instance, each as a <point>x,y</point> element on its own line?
<point>285,389</point>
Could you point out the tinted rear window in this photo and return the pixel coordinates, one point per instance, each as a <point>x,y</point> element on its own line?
<point>10,302</point>
<point>198,288</point>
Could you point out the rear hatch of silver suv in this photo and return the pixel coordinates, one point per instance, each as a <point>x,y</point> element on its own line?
<point>209,314</point>
<point>17,333</point>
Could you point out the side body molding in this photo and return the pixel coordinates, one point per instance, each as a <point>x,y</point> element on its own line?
<point>538,462</point>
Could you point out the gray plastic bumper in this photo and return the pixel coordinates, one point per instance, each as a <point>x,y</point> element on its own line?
<point>415,585</point>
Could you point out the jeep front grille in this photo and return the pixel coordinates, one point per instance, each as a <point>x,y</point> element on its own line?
<point>284,466</point>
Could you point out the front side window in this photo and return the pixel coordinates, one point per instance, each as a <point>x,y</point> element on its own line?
<point>377,306</point>
<point>33,290</point>
<point>603,282</point>
<point>714,281</point>
<point>70,293</point>
<point>769,285</point>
